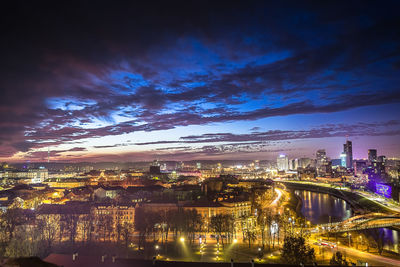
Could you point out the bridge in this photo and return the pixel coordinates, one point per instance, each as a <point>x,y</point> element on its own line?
<point>361,222</point>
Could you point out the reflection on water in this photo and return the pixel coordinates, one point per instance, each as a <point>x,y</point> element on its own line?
<point>317,207</point>
<point>391,239</point>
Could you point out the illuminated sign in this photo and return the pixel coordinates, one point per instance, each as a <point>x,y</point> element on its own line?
<point>384,190</point>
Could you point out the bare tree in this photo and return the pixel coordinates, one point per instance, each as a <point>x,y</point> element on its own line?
<point>193,221</point>
<point>269,222</point>
<point>48,225</point>
<point>278,223</point>
<point>109,226</point>
<point>126,231</point>
<point>248,230</point>
<point>87,223</point>
<point>221,224</point>
<point>118,225</point>
<point>71,225</point>
<point>141,226</point>
<point>217,225</point>
<point>153,219</point>
<point>262,225</point>
<point>11,219</point>
<point>26,242</point>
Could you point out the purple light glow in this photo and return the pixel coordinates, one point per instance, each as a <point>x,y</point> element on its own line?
<point>384,190</point>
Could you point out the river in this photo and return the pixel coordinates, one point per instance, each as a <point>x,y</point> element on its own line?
<point>320,208</point>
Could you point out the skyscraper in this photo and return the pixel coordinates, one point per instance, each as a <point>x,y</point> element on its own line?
<point>321,161</point>
<point>348,150</point>
<point>321,157</point>
<point>282,162</point>
<point>372,156</point>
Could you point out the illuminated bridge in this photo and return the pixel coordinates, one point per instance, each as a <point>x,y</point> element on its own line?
<point>361,222</point>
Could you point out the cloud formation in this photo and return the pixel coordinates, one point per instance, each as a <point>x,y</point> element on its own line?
<point>386,128</point>
<point>139,68</point>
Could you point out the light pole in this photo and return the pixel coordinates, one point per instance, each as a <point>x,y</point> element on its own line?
<point>156,247</point>
<point>235,244</point>
<point>349,235</point>
<point>201,249</point>
<point>182,239</point>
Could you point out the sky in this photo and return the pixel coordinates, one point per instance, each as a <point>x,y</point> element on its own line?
<point>187,80</point>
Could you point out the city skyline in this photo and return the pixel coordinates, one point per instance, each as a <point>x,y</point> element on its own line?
<point>199,132</point>
<point>198,80</point>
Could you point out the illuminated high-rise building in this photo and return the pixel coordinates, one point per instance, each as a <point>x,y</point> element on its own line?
<point>304,162</point>
<point>323,165</point>
<point>321,157</point>
<point>293,164</point>
<point>348,150</point>
<point>282,162</point>
<point>372,156</point>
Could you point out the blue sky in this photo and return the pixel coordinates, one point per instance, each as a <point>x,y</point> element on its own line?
<point>200,80</point>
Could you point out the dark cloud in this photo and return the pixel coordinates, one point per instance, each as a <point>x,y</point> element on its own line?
<point>72,71</point>
<point>255,129</point>
<point>116,145</point>
<point>323,131</point>
<point>43,155</point>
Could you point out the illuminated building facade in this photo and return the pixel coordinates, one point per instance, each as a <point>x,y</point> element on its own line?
<point>282,163</point>
<point>348,150</point>
<point>372,156</point>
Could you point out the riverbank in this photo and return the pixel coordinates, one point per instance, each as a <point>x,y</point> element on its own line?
<point>294,203</point>
<point>359,204</point>
<point>321,205</point>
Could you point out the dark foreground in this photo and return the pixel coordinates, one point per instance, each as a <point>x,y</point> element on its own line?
<point>66,260</point>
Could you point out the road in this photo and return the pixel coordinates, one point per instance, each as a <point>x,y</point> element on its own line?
<point>278,197</point>
<point>378,200</point>
<point>372,259</point>
<point>325,254</point>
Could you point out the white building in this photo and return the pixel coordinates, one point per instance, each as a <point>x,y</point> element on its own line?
<point>282,162</point>
<point>37,175</point>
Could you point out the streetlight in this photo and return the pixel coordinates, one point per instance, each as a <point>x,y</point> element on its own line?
<point>156,248</point>
<point>182,239</point>
<point>259,254</point>
<point>235,242</point>
<point>349,238</point>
